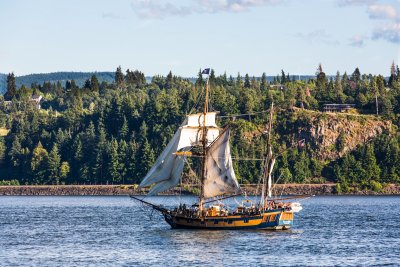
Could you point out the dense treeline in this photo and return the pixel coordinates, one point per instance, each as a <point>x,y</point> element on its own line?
<point>40,78</point>
<point>103,133</point>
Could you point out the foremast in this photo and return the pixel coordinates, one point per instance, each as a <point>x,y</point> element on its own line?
<point>204,144</point>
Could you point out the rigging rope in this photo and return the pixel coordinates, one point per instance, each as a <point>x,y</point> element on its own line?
<point>242,115</point>
<point>235,158</point>
<point>192,172</point>
<point>195,106</point>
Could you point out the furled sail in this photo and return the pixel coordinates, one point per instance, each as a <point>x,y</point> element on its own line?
<point>192,132</point>
<point>167,169</point>
<point>220,177</point>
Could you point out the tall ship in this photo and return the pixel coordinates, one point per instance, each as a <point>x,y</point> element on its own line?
<point>200,137</point>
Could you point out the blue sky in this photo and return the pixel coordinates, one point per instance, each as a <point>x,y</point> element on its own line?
<point>246,36</point>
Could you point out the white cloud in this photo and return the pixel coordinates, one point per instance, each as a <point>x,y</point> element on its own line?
<point>382,12</point>
<point>318,36</point>
<point>358,40</point>
<point>109,15</point>
<point>389,32</point>
<point>376,10</point>
<point>152,9</point>
<point>354,2</point>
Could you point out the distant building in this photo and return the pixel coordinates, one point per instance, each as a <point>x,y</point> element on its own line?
<point>338,107</point>
<point>278,86</point>
<point>8,103</point>
<point>37,99</point>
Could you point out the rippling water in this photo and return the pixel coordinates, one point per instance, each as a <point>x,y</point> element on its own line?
<point>54,231</point>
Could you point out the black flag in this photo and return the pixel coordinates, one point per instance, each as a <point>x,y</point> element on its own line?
<point>206,71</point>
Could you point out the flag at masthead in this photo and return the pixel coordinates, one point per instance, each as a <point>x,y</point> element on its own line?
<point>206,71</point>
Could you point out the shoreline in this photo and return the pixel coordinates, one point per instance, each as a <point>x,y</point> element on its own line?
<point>120,190</point>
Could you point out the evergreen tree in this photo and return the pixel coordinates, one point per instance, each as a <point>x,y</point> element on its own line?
<point>169,80</point>
<point>283,77</point>
<point>301,169</point>
<point>100,150</point>
<point>239,81</point>
<point>87,85</point>
<point>263,85</point>
<point>68,85</point>
<point>94,82</point>
<point>123,133</point>
<point>132,159</point>
<point>200,81</point>
<point>322,81</point>
<point>247,81</point>
<point>73,85</point>
<point>392,76</point>
<point>54,165</point>
<point>356,78</point>
<point>212,78</point>
<point>38,164</point>
<point>223,80</point>
<point>89,155</point>
<point>15,152</point>
<point>339,95</point>
<point>119,77</point>
<point>370,165</point>
<point>64,171</point>
<point>146,159</point>
<point>11,87</point>
<point>113,162</point>
<point>77,159</point>
<point>231,80</point>
<point>123,156</point>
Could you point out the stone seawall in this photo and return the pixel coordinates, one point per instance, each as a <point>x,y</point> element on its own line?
<point>115,190</point>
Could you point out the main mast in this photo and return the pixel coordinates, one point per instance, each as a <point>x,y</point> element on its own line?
<point>267,164</point>
<point>204,143</point>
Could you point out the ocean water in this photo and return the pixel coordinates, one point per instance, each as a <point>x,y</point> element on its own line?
<point>117,231</point>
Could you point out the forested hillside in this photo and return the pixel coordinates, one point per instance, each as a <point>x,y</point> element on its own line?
<point>3,83</point>
<point>81,77</point>
<point>40,78</point>
<point>104,132</point>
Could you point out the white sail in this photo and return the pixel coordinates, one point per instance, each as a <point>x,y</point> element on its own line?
<point>220,177</point>
<point>192,136</point>
<point>271,168</point>
<point>196,120</point>
<point>167,169</point>
<point>167,165</point>
<point>192,132</point>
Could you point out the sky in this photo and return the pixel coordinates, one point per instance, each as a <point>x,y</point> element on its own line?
<point>156,36</point>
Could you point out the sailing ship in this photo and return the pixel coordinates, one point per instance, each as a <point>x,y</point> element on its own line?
<point>217,180</point>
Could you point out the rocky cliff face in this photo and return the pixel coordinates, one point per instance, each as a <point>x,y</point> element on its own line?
<point>334,134</point>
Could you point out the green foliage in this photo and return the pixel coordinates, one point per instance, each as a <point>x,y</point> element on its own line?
<point>113,132</point>
<point>338,189</point>
<point>9,182</point>
<point>11,87</point>
<point>341,142</point>
<point>376,186</point>
<point>53,166</point>
<point>119,77</point>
